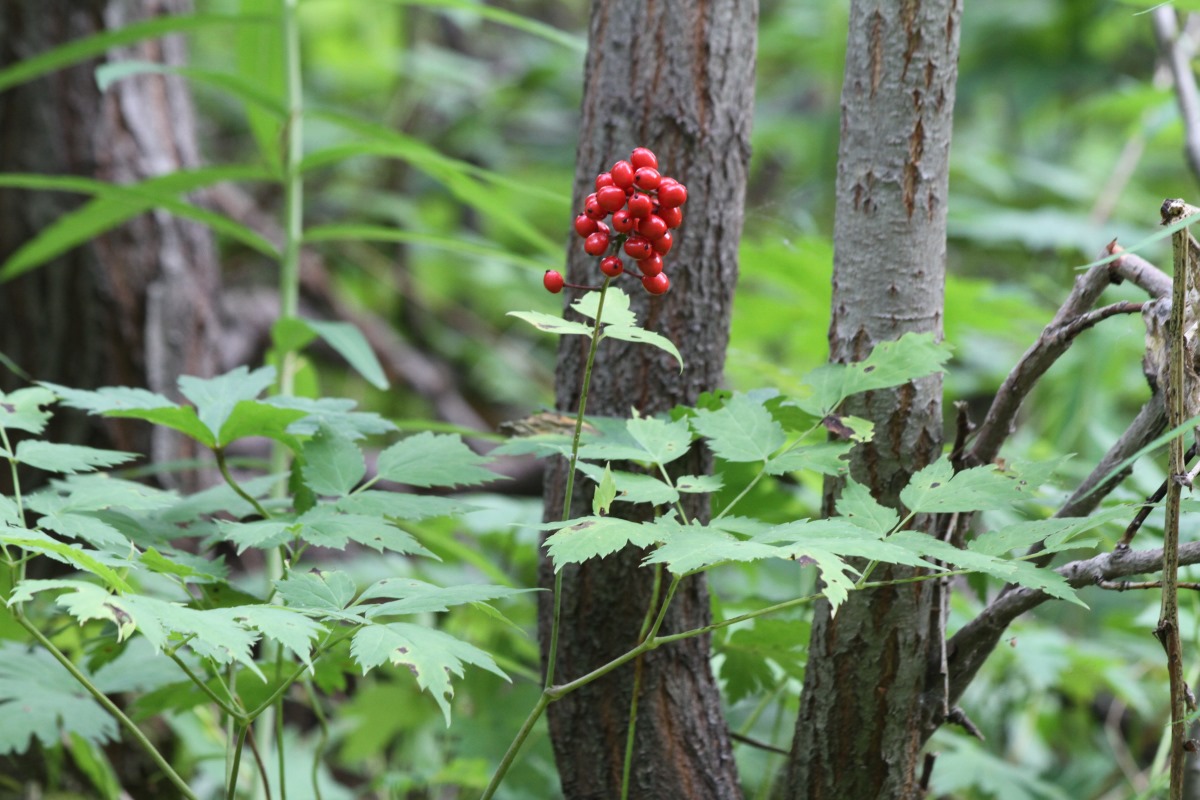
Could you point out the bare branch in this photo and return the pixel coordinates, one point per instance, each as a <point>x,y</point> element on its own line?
<point>1177,52</point>
<point>1125,586</point>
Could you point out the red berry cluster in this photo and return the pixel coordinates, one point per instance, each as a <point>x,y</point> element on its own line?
<point>645,206</point>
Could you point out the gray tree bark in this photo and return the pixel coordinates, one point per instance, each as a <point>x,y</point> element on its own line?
<point>676,77</point>
<point>859,732</point>
<point>136,306</point>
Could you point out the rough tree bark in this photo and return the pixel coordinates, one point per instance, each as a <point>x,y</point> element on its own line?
<point>859,729</point>
<point>676,77</point>
<point>136,306</point>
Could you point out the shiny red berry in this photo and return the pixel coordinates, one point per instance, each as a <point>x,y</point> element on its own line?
<point>638,247</point>
<point>591,207</point>
<point>643,157</point>
<point>652,265</point>
<point>671,194</point>
<point>623,221</point>
<point>610,198</point>
<point>603,179</point>
<point>652,227</point>
<point>672,216</point>
<point>656,284</point>
<point>622,174</point>
<point>662,245</point>
<point>584,225</point>
<point>640,205</point>
<point>647,179</point>
<point>611,266</point>
<point>596,244</point>
<point>553,281</point>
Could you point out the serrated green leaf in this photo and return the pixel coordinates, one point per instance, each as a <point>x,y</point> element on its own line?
<point>429,459</point>
<point>840,537</point>
<point>858,506</point>
<point>748,654</point>
<point>98,492</point>
<point>333,465</point>
<point>125,402</point>
<point>216,398</point>
<point>351,345</point>
<point>606,492</point>
<point>263,534</point>
<point>9,513</point>
<point>699,483</point>
<point>40,700</point>
<point>22,410</point>
<point>1056,532</point>
<point>938,488</point>
<point>210,633</point>
<point>80,526</point>
<point>743,430</point>
<point>891,363</point>
<point>826,458</point>
<point>552,324</point>
<point>220,499</point>
<point>317,590</point>
<point>324,528</point>
<point>632,487</point>
<point>616,307</point>
<point>293,630</point>
<point>68,458</point>
<point>400,505</point>
<point>418,597</point>
<point>430,655</point>
<point>663,441</point>
<point>181,565</point>
<point>700,547</point>
<point>76,556</point>
<point>257,418</point>
<point>335,412</point>
<point>632,333</point>
<point>592,537</point>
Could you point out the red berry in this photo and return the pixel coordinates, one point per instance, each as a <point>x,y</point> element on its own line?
<point>623,221</point>
<point>647,179</point>
<point>591,207</point>
<point>585,225</point>
<point>652,265</point>
<point>640,205</point>
<point>672,216</point>
<point>611,266</point>
<point>638,247</point>
<point>656,284</point>
<point>603,179</point>
<point>610,198</point>
<point>596,244</point>
<point>602,228</point>
<point>622,174</point>
<point>652,227</point>
<point>643,157</point>
<point>672,194</point>
<point>553,281</point>
<point>662,245</point>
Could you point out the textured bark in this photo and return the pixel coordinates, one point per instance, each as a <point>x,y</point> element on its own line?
<point>677,77</point>
<point>859,732</point>
<point>135,306</point>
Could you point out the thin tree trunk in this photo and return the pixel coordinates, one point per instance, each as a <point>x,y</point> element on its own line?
<point>858,734</point>
<point>676,77</point>
<point>136,306</point>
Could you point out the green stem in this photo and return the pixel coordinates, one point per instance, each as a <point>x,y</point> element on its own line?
<point>552,652</point>
<point>219,452</point>
<point>232,711</point>
<point>108,705</point>
<point>16,482</point>
<point>237,761</point>
<point>647,621</point>
<point>511,754</point>
<point>314,702</point>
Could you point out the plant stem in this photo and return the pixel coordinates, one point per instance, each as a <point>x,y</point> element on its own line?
<point>552,651</point>
<point>108,705</point>
<point>647,621</point>
<point>511,754</point>
<point>233,712</point>
<point>219,452</point>
<point>237,761</point>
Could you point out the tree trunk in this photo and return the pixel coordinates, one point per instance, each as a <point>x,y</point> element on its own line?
<point>135,306</point>
<point>859,730</point>
<point>676,77</point>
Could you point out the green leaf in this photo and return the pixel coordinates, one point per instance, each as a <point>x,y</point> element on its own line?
<point>632,333</point>
<point>181,565</point>
<point>247,92</point>
<point>40,700</point>
<point>841,538</point>
<point>606,492</point>
<point>429,459</point>
<point>501,16</point>
<point>616,307</point>
<point>211,633</point>
<point>892,363</point>
<point>551,323</point>
<point>591,537</point>
<point>121,401</point>
<point>700,547</point>
<point>938,488</point>
<point>216,398</point>
<point>22,410</point>
<point>80,526</point>
<point>699,483</point>
<point>379,233</point>
<point>826,458</point>
<point>293,630</point>
<point>1056,532</point>
<point>663,441</point>
<point>743,430</point>
<point>351,345</point>
<point>68,458</point>
<point>632,487</point>
<point>98,492</point>
<point>400,505</point>
<point>257,418</point>
<point>417,597</point>
<point>263,534</point>
<point>430,655</point>
<point>76,556</point>
<point>333,465</point>
<point>317,590</point>
<point>749,653</point>
<point>858,506</point>
<point>9,513</point>
<point>335,412</point>
<point>323,527</point>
